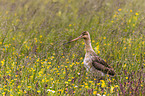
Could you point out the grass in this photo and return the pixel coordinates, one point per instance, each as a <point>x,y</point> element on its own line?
<point>34,61</point>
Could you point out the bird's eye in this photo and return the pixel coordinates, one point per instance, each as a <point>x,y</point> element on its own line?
<point>84,33</point>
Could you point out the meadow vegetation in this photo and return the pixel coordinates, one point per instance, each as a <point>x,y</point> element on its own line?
<point>34,61</point>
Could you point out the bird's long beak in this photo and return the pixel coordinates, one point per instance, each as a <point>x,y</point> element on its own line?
<point>74,39</point>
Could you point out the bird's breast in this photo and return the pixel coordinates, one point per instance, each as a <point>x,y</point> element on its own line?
<point>87,62</point>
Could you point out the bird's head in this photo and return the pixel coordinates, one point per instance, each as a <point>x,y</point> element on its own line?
<point>85,35</point>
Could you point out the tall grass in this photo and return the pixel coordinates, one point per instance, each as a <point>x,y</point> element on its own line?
<point>34,60</point>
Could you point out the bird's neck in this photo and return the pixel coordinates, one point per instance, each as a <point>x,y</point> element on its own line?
<point>88,46</point>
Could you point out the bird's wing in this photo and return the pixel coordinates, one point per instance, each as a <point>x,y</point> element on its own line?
<point>101,65</point>
<point>100,60</point>
<point>103,69</point>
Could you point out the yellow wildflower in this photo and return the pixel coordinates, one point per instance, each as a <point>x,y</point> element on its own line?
<point>130,10</point>
<point>29,87</point>
<point>111,89</point>
<point>126,77</point>
<point>40,36</point>
<point>86,87</point>
<point>119,9</point>
<point>49,62</point>
<point>38,91</point>
<point>95,92</point>
<point>70,25</point>
<point>136,14</point>
<point>93,40</point>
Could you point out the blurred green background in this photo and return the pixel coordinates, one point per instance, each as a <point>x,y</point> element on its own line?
<point>34,60</point>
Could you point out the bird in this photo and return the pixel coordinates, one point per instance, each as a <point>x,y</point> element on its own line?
<point>92,62</point>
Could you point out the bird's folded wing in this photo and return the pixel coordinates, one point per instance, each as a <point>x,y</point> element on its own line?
<point>100,60</point>
<point>103,68</point>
